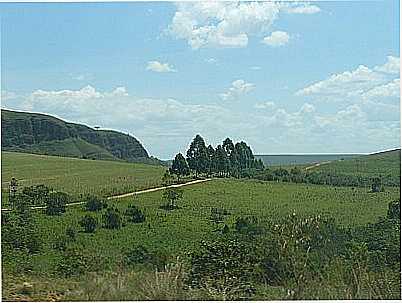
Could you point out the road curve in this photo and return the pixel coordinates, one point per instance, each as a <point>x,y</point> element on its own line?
<point>129,194</point>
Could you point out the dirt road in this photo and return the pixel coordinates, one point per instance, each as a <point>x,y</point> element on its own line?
<point>129,194</point>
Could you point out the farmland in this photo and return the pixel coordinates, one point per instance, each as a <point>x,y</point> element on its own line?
<point>78,177</point>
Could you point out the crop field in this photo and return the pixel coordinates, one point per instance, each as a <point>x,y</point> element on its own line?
<point>77,176</point>
<point>181,229</point>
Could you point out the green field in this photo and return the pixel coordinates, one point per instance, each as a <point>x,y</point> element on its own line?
<point>380,164</point>
<point>172,233</point>
<point>77,176</point>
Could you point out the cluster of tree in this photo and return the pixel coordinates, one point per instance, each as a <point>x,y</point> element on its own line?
<point>111,218</point>
<point>228,159</point>
<point>297,175</point>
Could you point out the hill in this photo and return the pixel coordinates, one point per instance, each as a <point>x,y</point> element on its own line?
<point>384,163</point>
<point>281,160</point>
<point>77,177</point>
<point>44,134</point>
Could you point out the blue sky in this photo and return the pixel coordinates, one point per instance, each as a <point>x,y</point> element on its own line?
<point>301,77</point>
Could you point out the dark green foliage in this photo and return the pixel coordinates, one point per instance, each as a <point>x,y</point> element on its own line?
<point>75,262</point>
<point>88,223</point>
<point>134,214</point>
<point>376,186</point>
<point>71,233</point>
<point>94,203</point>
<point>38,193</point>
<point>180,166</point>
<point>43,134</point>
<point>56,203</point>
<point>247,225</point>
<point>171,196</point>
<point>197,155</point>
<point>394,210</point>
<point>19,228</point>
<point>226,267</point>
<point>140,255</point>
<point>112,218</point>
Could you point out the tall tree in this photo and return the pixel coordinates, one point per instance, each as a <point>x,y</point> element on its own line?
<point>197,155</point>
<point>211,160</point>
<point>180,166</point>
<point>221,160</point>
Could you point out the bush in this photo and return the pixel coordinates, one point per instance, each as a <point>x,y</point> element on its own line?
<point>112,219</point>
<point>225,268</point>
<point>140,255</point>
<point>94,203</point>
<point>88,223</point>
<point>56,203</point>
<point>38,193</point>
<point>394,210</point>
<point>76,262</point>
<point>134,214</point>
<point>171,196</point>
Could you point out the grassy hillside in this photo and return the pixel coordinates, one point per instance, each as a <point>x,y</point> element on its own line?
<point>175,232</point>
<point>291,160</point>
<point>44,134</point>
<point>384,164</point>
<point>77,176</point>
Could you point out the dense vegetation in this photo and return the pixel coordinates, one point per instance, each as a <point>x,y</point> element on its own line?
<point>43,134</point>
<point>226,160</point>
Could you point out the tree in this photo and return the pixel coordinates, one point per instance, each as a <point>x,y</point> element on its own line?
<point>197,155</point>
<point>167,178</point>
<point>112,219</point>
<point>171,196</point>
<point>19,228</point>
<point>211,160</point>
<point>179,167</point>
<point>94,203</point>
<point>134,214</point>
<point>376,186</point>
<point>221,160</point>
<point>88,223</point>
<point>56,203</point>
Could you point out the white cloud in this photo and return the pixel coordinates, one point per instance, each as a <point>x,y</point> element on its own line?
<point>255,68</point>
<point>304,8</point>
<point>349,82</point>
<point>390,89</point>
<point>238,88</point>
<point>211,60</point>
<point>228,24</point>
<point>7,95</point>
<point>391,67</point>
<point>278,38</point>
<point>269,105</point>
<point>159,67</point>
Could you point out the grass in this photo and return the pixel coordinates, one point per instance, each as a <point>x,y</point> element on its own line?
<point>77,176</point>
<point>384,164</point>
<point>182,229</point>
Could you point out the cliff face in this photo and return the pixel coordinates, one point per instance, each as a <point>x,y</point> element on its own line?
<point>44,134</point>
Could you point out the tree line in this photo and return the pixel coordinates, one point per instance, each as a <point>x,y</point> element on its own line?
<point>226,160</point>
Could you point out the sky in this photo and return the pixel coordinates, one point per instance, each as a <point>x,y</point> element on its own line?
<point>286,77</point>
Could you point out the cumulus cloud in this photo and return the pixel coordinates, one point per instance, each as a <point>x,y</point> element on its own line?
<point>7,95</point>
<point>228,24</point>
<point>391,67</point>
<point>277,38</point>
<point>238,88</point>
<point>159,67</point>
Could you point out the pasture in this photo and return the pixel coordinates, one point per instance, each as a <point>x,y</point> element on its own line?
<point>179,230</point>
<point>77,177</point>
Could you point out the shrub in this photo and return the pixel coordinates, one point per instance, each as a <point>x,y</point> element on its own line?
<point>56,203</point>
<point>394,210</point>
<point>88,223</point>
<point>112,219</point>
<point>134,214</point>
<point>225,267</point>
<point>76,262</point>
<point>171,196</point>
<point>94,203</point>
<point>140,255</point>
<point>38,193</point>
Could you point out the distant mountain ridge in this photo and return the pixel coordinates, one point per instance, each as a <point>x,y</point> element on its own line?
<point>45,134</point>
